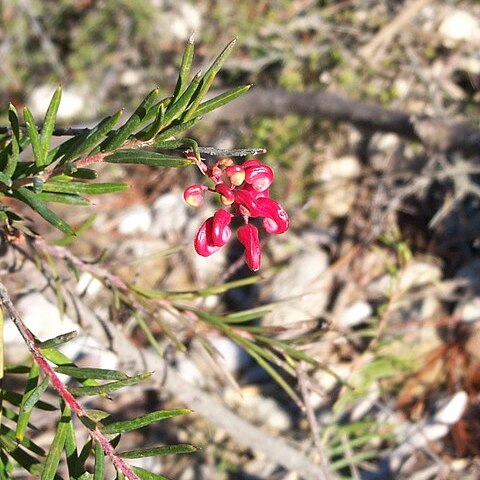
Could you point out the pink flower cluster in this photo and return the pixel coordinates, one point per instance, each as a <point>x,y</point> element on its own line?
<point>244,192</point>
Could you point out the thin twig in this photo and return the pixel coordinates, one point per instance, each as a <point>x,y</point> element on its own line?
<point>312,420</point>
<point>47,369</point>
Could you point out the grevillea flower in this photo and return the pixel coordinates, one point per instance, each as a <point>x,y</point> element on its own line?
<point>248,237</point>
<point>244,192</point>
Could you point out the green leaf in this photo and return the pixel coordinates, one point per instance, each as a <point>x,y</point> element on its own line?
<point>63,198</point>
<point>176,129</point>
<point>49,122</point>
<point>32,200</point>
<point>85,373</point>
<point>147,157</point>
<point>87,141</point>
<point>12,159</point>
<point>83,173</point>
<point>139,422</point>
<point>80,230</point>
<point>32,395</point>
<point>184,70</point>
<point>50,466</point>
<point>117,138</point>
<point>353,459</point>
<point>35,395</point>
<point>208,79</point>
<point>247,315</point>
<point>26,443</point>
<point>220,100</point>
<point>5,179</point>
<point>109,387</point>
<point>162,450</point>
<point>178,108</point>
<point>146,475</point>
<point>99,470</point>
<point>32,130</point>
<point>16,399</point>
<point>150,132</point>
<point>24,416</point>
<point>75,467</point>
<point>80,188</point>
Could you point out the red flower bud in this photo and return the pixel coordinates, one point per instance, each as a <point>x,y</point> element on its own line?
<point>236,173</point>
<point>193,195</point>
<point>251,163</point>
<point>260,177</point>
<point>248,237</point>
<point>221,232</point>
<point>228,197</point>
<point>203,242</point>
<point>276,218</point>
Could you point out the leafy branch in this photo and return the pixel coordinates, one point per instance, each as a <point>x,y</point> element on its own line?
<point>64,174</point>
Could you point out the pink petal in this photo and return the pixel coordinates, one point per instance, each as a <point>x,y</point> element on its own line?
<point>254,193</point>
<point>246,203</point>
<point>203,239</point>
<point>260,177</point>
<point>276,218</point>
<point>221,232</point>
<point>248,237</point>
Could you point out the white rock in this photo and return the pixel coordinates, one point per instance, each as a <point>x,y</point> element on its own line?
<point>73,104</point>
<point>258,409</point>
<point>301,290</point>
<point>234,358</point>
<point>189,371</point>
<point>83,345</point>
<point>470,310</point>
<point>135,219</point>
<point>41,317</point>
<point>169,214</point>
<point>354,314</point>
<point>434,429</point>
<point>131,77</point>
<point>176,20</point>
<point>89,285</point>
<point>417,274</point>
<point>458,26</point>
<point>347,167</point>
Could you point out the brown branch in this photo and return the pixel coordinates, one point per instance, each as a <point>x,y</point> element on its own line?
<point>437,134</point>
